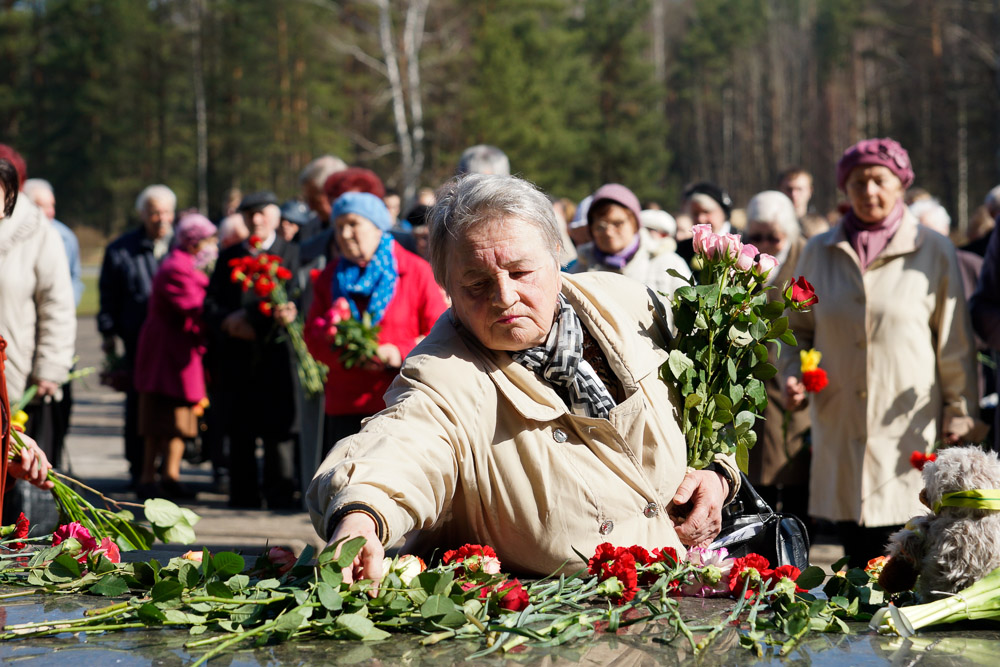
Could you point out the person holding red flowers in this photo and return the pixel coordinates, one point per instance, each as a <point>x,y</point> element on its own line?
<point>252,364</point>
<point>897,346</point>
<point>393,286</point>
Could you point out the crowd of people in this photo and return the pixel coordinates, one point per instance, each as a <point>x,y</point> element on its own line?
<point>512,393</point>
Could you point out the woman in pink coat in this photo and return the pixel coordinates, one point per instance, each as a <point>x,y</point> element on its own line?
<point>169,374</point>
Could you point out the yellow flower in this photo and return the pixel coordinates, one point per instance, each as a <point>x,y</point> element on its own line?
<point>810,359</point>
<point>20,418</point>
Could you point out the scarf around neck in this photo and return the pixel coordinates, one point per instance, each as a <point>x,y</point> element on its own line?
<point>619,259</point>
<point>869,240</point>
<point>376,281</point>
<point>560,361</point>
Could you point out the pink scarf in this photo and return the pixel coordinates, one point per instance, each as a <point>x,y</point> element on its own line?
<point>870,239</point>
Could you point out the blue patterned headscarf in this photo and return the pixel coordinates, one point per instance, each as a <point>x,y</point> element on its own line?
<point>376,281</point>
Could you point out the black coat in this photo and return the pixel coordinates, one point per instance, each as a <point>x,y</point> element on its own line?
<point>254,377</point>
<point>125,284</point>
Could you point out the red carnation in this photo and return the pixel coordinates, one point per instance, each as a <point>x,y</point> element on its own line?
<point>624,569</point>
<point>603,555</point>
<point>749,566</point>
<point>255,241</point>
<point>787,572</point>
<point>803,294</point>
<point>641,555</point>
<point>467,551</point>
<point>815,381</point>
<point>512,595</point>
<point>666,555</point>
<point>21,528</point>
<point>265,308</point>
<point>918,459</point>
<point>283,274</point>
<point>263,287</point>
<point>314,274</point>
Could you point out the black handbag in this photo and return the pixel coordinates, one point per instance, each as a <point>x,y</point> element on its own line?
<point>749,525</point>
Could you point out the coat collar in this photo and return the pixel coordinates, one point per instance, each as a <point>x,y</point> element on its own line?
<point>632,358</point>
<point>907,239</point>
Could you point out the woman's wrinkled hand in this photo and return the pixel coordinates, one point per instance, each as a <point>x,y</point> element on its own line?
<point>705,491</point>
<point>47,388</point>
<point>390,355</point>
<point>31,465</point>
<point>795,394</point>
<point>368,563</point>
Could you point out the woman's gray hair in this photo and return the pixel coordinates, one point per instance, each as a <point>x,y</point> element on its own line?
<point>470,201</point>
<point>775,208</point>
<point>160,193</point>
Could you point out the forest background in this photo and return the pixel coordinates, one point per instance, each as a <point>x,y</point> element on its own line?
<point>106,96</point>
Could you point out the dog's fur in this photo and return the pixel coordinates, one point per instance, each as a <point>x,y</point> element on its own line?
<point>956,547</point>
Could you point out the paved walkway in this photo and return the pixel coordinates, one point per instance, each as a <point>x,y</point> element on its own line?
<point>95,455</point>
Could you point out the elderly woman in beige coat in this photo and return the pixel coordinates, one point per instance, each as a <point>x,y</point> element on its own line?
<point>897,346</point>
<point>531,418</point>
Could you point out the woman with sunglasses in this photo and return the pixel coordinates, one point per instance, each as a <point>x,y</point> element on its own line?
<point>779,462</point>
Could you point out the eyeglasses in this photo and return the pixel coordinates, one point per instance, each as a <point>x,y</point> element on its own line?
<point>761,238</point>
<point>604,225</point>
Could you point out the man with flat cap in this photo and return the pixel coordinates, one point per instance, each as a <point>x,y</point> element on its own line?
<point>295,216</point>
<point>255,365</point>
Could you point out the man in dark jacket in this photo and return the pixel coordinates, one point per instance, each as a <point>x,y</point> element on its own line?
<point>130,261</point>
<point>253,365</point>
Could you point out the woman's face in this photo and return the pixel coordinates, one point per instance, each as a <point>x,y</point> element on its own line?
<point>873,191</point>
<point>767,236</point>
<point>3,202</point>
<point>613,229</point>
<point>357,238</point>
<point>504,284</point>
<point>704,211</point>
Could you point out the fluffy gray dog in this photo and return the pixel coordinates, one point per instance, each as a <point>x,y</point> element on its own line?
<point>954,547</point>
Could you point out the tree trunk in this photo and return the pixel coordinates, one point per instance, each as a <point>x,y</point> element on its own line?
<point>395,86</point>
<point>200,111</point>
<point>413,37</point>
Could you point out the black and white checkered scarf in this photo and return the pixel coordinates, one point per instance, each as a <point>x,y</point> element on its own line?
<point>560,361</point>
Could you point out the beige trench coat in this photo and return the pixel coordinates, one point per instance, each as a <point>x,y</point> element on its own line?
<point>897,347</point>
<point>475,448</point>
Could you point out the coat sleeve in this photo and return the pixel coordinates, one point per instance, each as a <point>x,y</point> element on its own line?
<point>403,466</point>
<point>110,287</point>
<point>985,303</point>
<point>56,326</point>
<point>956,369</point>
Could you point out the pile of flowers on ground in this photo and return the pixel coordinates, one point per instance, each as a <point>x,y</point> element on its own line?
<point>223,603</point>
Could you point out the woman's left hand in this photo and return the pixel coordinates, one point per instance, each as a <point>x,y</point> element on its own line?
<point>390,355</point>
<point>706,491</point>
<point>31,465</point>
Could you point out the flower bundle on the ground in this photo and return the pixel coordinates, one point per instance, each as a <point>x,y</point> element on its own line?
<point>356,340</point>
<point>719,359</point>
<point>224,604</point>
<point>264,275</point>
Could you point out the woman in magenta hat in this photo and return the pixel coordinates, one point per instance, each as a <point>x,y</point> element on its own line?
<point>620,243</point>
<point>894,332</point>
<point>169,375</point>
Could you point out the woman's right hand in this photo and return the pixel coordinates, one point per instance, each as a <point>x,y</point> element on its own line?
<point>795,394</point>
<point>368,563</point>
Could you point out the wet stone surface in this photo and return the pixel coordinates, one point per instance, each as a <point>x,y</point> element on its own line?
<point>642,644</point>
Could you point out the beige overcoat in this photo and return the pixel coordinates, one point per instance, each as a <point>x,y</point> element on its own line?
<point>475,448</point>
<point>897,347</point>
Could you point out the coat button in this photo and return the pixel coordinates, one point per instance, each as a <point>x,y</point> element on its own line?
<point>651,510</point>
<point>862,394</point>
<point>559,435</point>
<point>606,527</point>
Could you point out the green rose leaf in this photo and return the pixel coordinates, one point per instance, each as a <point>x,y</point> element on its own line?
<point>739,335</point>
<point>686,293</point>
<point>110,585</point>
<point>168,589</point>
<point>778,327</point>
<point>227,564</point>
<point>744,420</point>
<point>328,596</point>
<point>150,613</point>
<point>691,401</point>
<point>349,551</point>
<point>722,402</point>
<point>238,582</point>
<point>731,369</point>
<point>773,310</point>
<point>743,458</point>
<point>332,577</point>
<point>810,578</point>
<point>788,338</point>
<point>188,575</point>
<point>764,371</point>
<point>63,568</point>
<point>678,363</point>
<point>218,589</point>
<point>360,627</point>
<point>292,621</point>
<point>436,605</point>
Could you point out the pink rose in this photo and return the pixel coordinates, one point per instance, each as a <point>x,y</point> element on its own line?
<point>713,247</point>
<point>109,550</point>
<point>76,531</point>
<point>765,264</point>
<point>195,556</point>
<point>699,238</point>
<point>342,308</point>
<point>490,565</point>
<point>745,260</point>
<point>732,245</point>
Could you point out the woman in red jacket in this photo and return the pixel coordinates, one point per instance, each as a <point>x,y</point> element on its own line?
<point>378,277</point>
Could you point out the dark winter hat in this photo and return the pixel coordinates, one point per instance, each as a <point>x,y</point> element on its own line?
<point>296,212</point>
<point>256,201</point>
<point>713,191</point>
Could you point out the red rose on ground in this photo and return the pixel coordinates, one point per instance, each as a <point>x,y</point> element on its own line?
<point>512,595</point>
<point>109,550</point>
<point>282,558</point>
<point>803,294</point>
<point>77,531</point>
<point>815,381</point>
